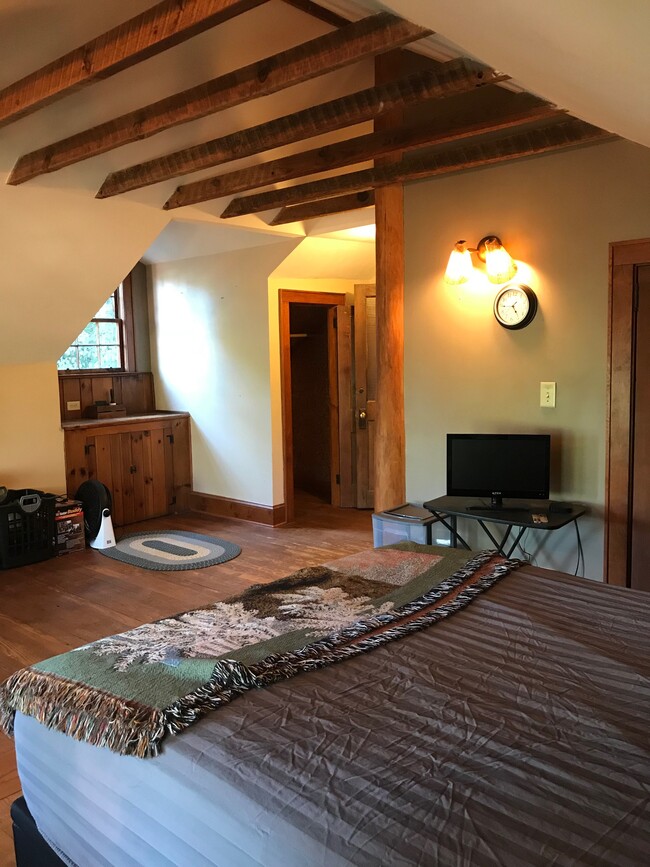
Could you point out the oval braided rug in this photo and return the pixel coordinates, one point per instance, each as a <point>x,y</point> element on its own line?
<point>172,550</point>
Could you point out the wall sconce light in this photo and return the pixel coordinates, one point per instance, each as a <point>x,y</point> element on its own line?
<point>498,263</point>
<point>459,267</point>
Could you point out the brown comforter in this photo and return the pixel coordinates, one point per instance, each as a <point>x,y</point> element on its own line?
<point>516,733</point>
<point>513,734</point>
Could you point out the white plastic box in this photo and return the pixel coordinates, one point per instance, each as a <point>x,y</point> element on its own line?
<point>405,523</point>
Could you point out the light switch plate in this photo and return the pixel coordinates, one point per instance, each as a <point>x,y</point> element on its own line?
<point>73,404</point>
<point>547,394</point>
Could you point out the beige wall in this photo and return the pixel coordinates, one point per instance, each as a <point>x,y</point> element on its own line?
<point>31,439</point>
<point>464,373</point>
<point>215,353</point>
<point>210,357</point>
<point>62,257</point>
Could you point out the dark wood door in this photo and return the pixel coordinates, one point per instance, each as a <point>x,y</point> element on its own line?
<point>640,512</point>
<point>627,503</point>
<point>344,435</point>
<point>365,366</point>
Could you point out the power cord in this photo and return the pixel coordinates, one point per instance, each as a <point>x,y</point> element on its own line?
<point>581,553</point>
<point>527,554</point>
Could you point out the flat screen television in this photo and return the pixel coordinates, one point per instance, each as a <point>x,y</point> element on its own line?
<point>498,466</point>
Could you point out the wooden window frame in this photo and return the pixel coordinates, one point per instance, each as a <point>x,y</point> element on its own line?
<point>124,319</point>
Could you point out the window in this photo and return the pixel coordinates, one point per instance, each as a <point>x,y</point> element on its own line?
<point>102,343</point>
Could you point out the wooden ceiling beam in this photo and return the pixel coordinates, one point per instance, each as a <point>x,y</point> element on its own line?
<point>336,205</point>
<point>335,50</point>
<point>523,144</point>
<point>318,11</point>
<point>454,77</point>
<point>155,30</point>
<point>346,153</point>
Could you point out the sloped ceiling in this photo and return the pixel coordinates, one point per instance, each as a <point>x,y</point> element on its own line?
<point>589,56</point>
<point>63,250</point>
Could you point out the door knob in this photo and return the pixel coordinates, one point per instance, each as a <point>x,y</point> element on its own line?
<point>363,419</point>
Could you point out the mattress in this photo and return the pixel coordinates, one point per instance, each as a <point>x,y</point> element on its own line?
<point>514,733</point>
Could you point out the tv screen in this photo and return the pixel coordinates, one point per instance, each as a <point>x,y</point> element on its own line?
<point>499,465</point>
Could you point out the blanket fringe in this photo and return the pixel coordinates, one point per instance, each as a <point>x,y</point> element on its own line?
<point>231,678</point>
<point>128,728</point>
<point>82,712</point>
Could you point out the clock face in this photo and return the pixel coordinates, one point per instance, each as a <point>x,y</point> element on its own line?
<point>515,306</point>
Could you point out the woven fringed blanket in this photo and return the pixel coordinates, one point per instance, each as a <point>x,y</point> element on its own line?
<point>128,691</point>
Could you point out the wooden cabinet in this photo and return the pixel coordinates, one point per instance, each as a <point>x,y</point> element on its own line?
<point>144,461</point>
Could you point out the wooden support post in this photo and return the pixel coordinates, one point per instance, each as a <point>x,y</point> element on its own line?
<point>390,451</point>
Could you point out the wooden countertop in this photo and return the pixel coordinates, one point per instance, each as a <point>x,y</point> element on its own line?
<point>81,423</point>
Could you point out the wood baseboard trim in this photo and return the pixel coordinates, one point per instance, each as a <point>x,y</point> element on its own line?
<point>224,507</point>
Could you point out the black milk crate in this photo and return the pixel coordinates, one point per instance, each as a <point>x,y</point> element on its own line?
<point>27,527</point>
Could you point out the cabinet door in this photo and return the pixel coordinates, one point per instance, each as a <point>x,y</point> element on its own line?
<point>154,459</point>
<point>145,469</point>
<point>111,464</point>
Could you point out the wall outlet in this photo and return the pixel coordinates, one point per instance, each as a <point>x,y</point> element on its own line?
<point>73,404</point>
<point>547,394</point>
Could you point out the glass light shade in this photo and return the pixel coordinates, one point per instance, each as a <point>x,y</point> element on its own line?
<point>459,267</point>
<point>498,262</point>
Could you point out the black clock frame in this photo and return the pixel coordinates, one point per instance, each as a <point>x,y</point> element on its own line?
<point>532,306</point>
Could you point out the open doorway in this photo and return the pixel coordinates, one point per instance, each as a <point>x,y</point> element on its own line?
<point>311,400</point>
<point>328,374</point>
<point>315,368</point>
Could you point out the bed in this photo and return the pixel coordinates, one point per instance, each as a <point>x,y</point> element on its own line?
<point>513,733</point>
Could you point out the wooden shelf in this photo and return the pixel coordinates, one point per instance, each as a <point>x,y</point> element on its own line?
<point>158,416</point>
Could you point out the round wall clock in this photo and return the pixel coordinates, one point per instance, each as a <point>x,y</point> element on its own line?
<point>515,306</point>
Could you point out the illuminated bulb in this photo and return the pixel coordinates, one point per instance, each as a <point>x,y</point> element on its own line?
<point>459,267</point>
<point>498,262</point>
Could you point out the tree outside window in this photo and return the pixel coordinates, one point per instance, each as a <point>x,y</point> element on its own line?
<point>100,346</point>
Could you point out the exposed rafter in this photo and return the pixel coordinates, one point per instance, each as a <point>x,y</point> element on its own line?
<point>535,141</point>
<point>318,11</point>
<point>454,77</point>
<point>143,36</point>
<point>336,205</point>
<point>327,53</point>
<point>346,153</point>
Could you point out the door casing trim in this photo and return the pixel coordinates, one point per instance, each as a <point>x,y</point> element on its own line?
<point>624,256</point>
<point>286,298</point>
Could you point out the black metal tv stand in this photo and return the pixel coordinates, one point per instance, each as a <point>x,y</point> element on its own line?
<point>495,508</point>
<point>516,515</point>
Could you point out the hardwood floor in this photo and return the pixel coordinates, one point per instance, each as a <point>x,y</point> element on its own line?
<point>51,607</point>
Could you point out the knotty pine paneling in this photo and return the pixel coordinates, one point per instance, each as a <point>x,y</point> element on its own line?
<point>134,390</point>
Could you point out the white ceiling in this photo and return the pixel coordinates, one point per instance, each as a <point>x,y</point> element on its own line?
<point>187,239</point>
<point>587,56</point>
<point>590,57</point>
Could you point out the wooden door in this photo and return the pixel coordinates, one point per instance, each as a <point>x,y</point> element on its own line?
<point>640,512</point>
<point>627,507</point>
<point>288,297</point>
<point>138,469</point>
<point>365,394</point>
<point>110,463</point>
<point>341,382</point>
